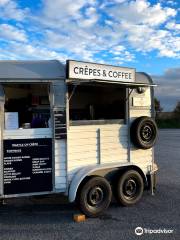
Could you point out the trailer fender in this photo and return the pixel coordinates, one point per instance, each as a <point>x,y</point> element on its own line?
<point>88,171</point>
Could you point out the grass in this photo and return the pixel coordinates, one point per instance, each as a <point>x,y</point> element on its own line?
<point>168,123</point>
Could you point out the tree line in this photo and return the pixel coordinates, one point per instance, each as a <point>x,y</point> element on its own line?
<point>171,122</point>
<point>159,108</point>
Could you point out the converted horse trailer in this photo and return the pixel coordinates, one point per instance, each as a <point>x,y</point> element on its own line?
<point>83,129</point>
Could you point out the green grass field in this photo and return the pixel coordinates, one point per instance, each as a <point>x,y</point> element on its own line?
<point>168,123</point>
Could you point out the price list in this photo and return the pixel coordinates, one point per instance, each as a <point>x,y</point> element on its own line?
<point>27,165</point>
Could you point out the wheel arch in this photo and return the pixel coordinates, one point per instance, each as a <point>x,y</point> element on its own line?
<point>139,170</point>
<point>85,173</point>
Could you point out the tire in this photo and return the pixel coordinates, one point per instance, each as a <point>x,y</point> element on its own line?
<point>144,132</point>
<point>129,188</point>
<point>94,196</point>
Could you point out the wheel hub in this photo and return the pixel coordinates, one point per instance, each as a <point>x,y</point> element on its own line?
<point>95,196</point>
<point>146,133</point>
<point>130,188</point>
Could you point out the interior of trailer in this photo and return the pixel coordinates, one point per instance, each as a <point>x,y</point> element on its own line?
<point>26,106</point>
<point>96,103</point>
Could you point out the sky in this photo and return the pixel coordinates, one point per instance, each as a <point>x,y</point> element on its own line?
<point>143,34</point>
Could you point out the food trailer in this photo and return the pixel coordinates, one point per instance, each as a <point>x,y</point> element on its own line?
<point>83,129</point>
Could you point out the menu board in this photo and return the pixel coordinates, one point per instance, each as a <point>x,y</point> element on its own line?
<point>60,130</point>
<point>27,165</point>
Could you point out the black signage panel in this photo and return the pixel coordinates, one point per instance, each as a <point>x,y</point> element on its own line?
<point>27,165</point>
<point>60,124</point>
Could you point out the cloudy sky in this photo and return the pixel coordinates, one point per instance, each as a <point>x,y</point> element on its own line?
<point>143,34</point>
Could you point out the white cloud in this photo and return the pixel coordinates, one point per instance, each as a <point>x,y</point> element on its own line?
<point>62,9</point>
<point>27,51</point>
<point>146,39</point>
<point>91,17</point>
<point>76,46</point>
<point>118,48</point>
<point>120,54</point>
<point>168,90</point>
<point>8,32</point>
<point>3,2</point>
<point>129,57</point>
<point>137,23</point>
<point>141,12</point>
<point>90,20</point>
<point>80,29</point>
<point>9,10</point>
<point>119,1</point>
<point>173,26</point>
<point>63,13</point>
<point>141,26</point>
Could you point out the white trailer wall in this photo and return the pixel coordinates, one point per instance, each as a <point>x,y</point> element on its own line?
<point>94,144</point>
<point>141,157</point>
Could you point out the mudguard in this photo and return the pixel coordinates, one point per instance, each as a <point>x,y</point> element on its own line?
<point>91,170</point>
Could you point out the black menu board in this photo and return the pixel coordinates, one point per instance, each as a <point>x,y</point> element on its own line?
<point>27,165</point>
<point>60,130</point>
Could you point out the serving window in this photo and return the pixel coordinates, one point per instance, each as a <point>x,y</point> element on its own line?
<point>27,106</point>
<point>95,103</point>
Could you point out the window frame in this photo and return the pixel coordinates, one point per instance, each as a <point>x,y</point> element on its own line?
<point>123,121</point>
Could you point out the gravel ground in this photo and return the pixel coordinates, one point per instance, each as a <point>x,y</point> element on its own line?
<point>47,219</point>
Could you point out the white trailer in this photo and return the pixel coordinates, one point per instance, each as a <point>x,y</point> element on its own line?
<point>82,129</point>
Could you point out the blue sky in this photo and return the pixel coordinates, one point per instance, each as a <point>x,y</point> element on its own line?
<point>143,34</point>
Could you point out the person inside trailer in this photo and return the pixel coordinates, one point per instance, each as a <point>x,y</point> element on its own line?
<point>38,121</point>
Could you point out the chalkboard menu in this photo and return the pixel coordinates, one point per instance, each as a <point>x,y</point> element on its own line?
<point>60,130</point>
<point>27,165</point>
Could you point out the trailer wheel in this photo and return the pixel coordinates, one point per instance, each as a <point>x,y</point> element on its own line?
<point>144,132</point>
<point>94,196</point>
<point>129,188</point>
